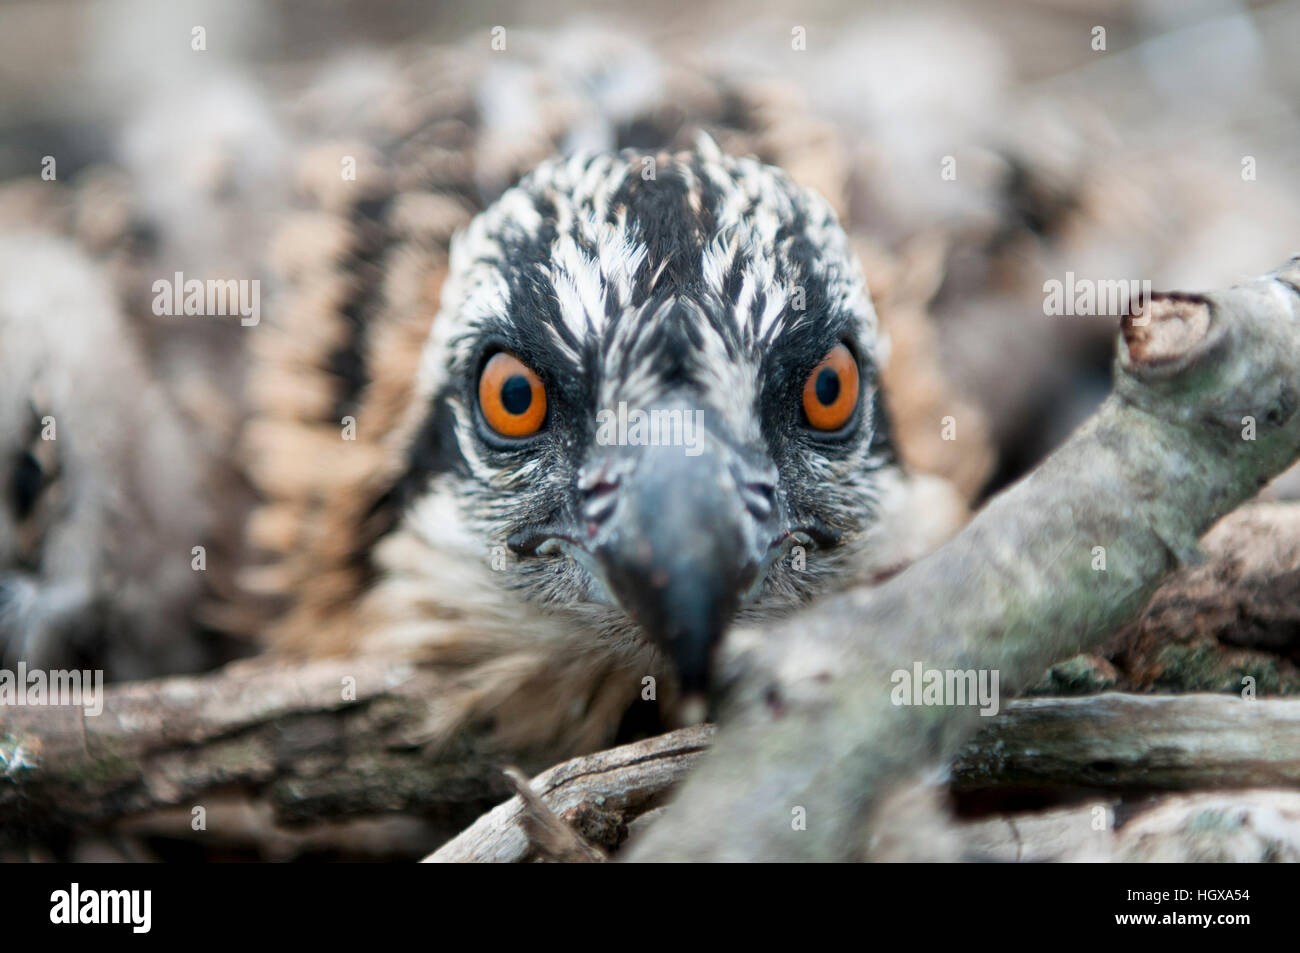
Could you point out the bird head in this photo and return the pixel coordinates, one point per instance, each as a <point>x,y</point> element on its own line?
<point>102,498</point>
<point>653,383</point>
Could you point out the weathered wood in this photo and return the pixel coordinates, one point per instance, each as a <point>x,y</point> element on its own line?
<point>552,838</point>
<point>1110,744</point>
<point>600,793</point>
<point>1252,826</point>
<point>314,741</point>
<point>811,729</point>
<point>1235,617</point>
<point>1122,742</point>
<point>272,752</point>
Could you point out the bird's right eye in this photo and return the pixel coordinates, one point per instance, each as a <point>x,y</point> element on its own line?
<point>511,396</point>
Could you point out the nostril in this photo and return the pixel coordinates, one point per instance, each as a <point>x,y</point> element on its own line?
<point>599,499</point>
<point>759,497</point>
<point>756,486</point>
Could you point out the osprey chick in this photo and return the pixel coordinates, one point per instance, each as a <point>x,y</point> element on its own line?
<point>104,497</point>
<point>648,406</point>
<point>717,303</point>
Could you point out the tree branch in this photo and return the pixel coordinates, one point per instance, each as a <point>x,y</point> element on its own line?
<point>1120,742</point>
<point>1103,744</point>
<point>193,747</point>
<point>811,730</point>
<point>313,741</point>
<point>600,793</point>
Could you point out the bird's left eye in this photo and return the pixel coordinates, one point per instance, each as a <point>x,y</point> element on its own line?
<point>511,396</point>
<point>830,393</point>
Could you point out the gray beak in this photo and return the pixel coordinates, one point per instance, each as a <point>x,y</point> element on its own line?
<point>681,540</point>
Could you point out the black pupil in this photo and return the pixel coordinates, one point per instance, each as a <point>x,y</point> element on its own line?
<point>827,387</point>
<point>516,394</point>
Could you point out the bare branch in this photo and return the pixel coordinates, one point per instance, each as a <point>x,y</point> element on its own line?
<point>811,729</point>
<point>1122,742</point>
<point>612,787</point>
<point>311,741</point>
<point>549,836</point>
<point>1105,743</point>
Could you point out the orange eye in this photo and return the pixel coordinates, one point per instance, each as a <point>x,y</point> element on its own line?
<point>511,396</point>
<point>831,391</point>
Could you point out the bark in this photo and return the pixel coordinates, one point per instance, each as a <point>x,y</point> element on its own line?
<point>283,774</point>
<point>308,742</point>
<point>1249,826</point>
<point>1101,746</point>
<point>1122,743</point>
<point>812,742</point>
<point>1233,621</point>
<point>600,795</point>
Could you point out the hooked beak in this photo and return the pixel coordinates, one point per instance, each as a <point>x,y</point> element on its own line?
<point>681,540</point>
<point>681,548</point>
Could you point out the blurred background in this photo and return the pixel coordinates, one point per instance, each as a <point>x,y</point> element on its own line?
<point>1151,140</point>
